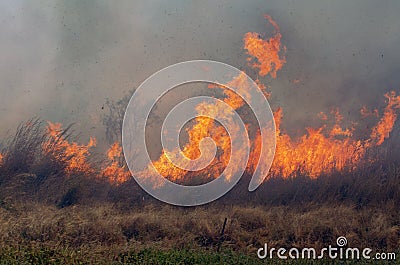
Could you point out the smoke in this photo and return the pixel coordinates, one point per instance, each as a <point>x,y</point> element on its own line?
<point>62,60</point>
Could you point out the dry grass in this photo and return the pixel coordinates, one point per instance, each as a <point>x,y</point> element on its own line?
<point>109,227</point>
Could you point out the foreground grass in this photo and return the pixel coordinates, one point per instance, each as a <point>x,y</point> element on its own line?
<point>161,226</point>
<point>146,256</point>
<point>35,233</point>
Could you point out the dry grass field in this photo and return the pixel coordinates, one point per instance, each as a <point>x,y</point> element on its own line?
<point>106,232</point>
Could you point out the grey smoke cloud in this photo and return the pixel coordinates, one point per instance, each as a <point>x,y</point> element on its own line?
<point>61,60</point>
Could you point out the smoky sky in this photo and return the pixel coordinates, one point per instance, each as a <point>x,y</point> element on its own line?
<point>61,60</point>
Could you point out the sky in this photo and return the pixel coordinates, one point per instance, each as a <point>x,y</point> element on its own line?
<point>62,60</point>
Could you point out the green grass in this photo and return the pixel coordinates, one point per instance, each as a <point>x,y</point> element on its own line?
<point>150,256</point>
<point>25,255</point>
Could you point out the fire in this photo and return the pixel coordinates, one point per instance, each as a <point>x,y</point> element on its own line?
<point>315,153</point>
<point>205,127</point>
<point>114,172</point>
<point>382,130</point>
<point>74,155</point>
<point>322,150</point>
<point>202,128</point>
<point>319,151</point>
<point>265,52</point>
<point>365,112</point>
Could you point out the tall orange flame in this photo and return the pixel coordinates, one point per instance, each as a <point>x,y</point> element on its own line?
<point>382,130</point>
<point>114,172</point>
<point>73,154</point>
<point>265,53</point>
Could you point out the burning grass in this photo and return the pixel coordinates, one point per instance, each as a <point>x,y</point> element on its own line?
<point>49,166</point>
<point>320,151</point>
<point>56,194</point>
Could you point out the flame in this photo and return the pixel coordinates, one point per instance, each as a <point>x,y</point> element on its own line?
<point>323,116</point>
<point>265,52</point>
<point>314,153</point>
<point>74,155</point>
<point>205,127</point>
<point>382,130</point>
<point>321,150</point>
<point>114,172</point>
<point>317,153</point>
<point>365,112</point>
